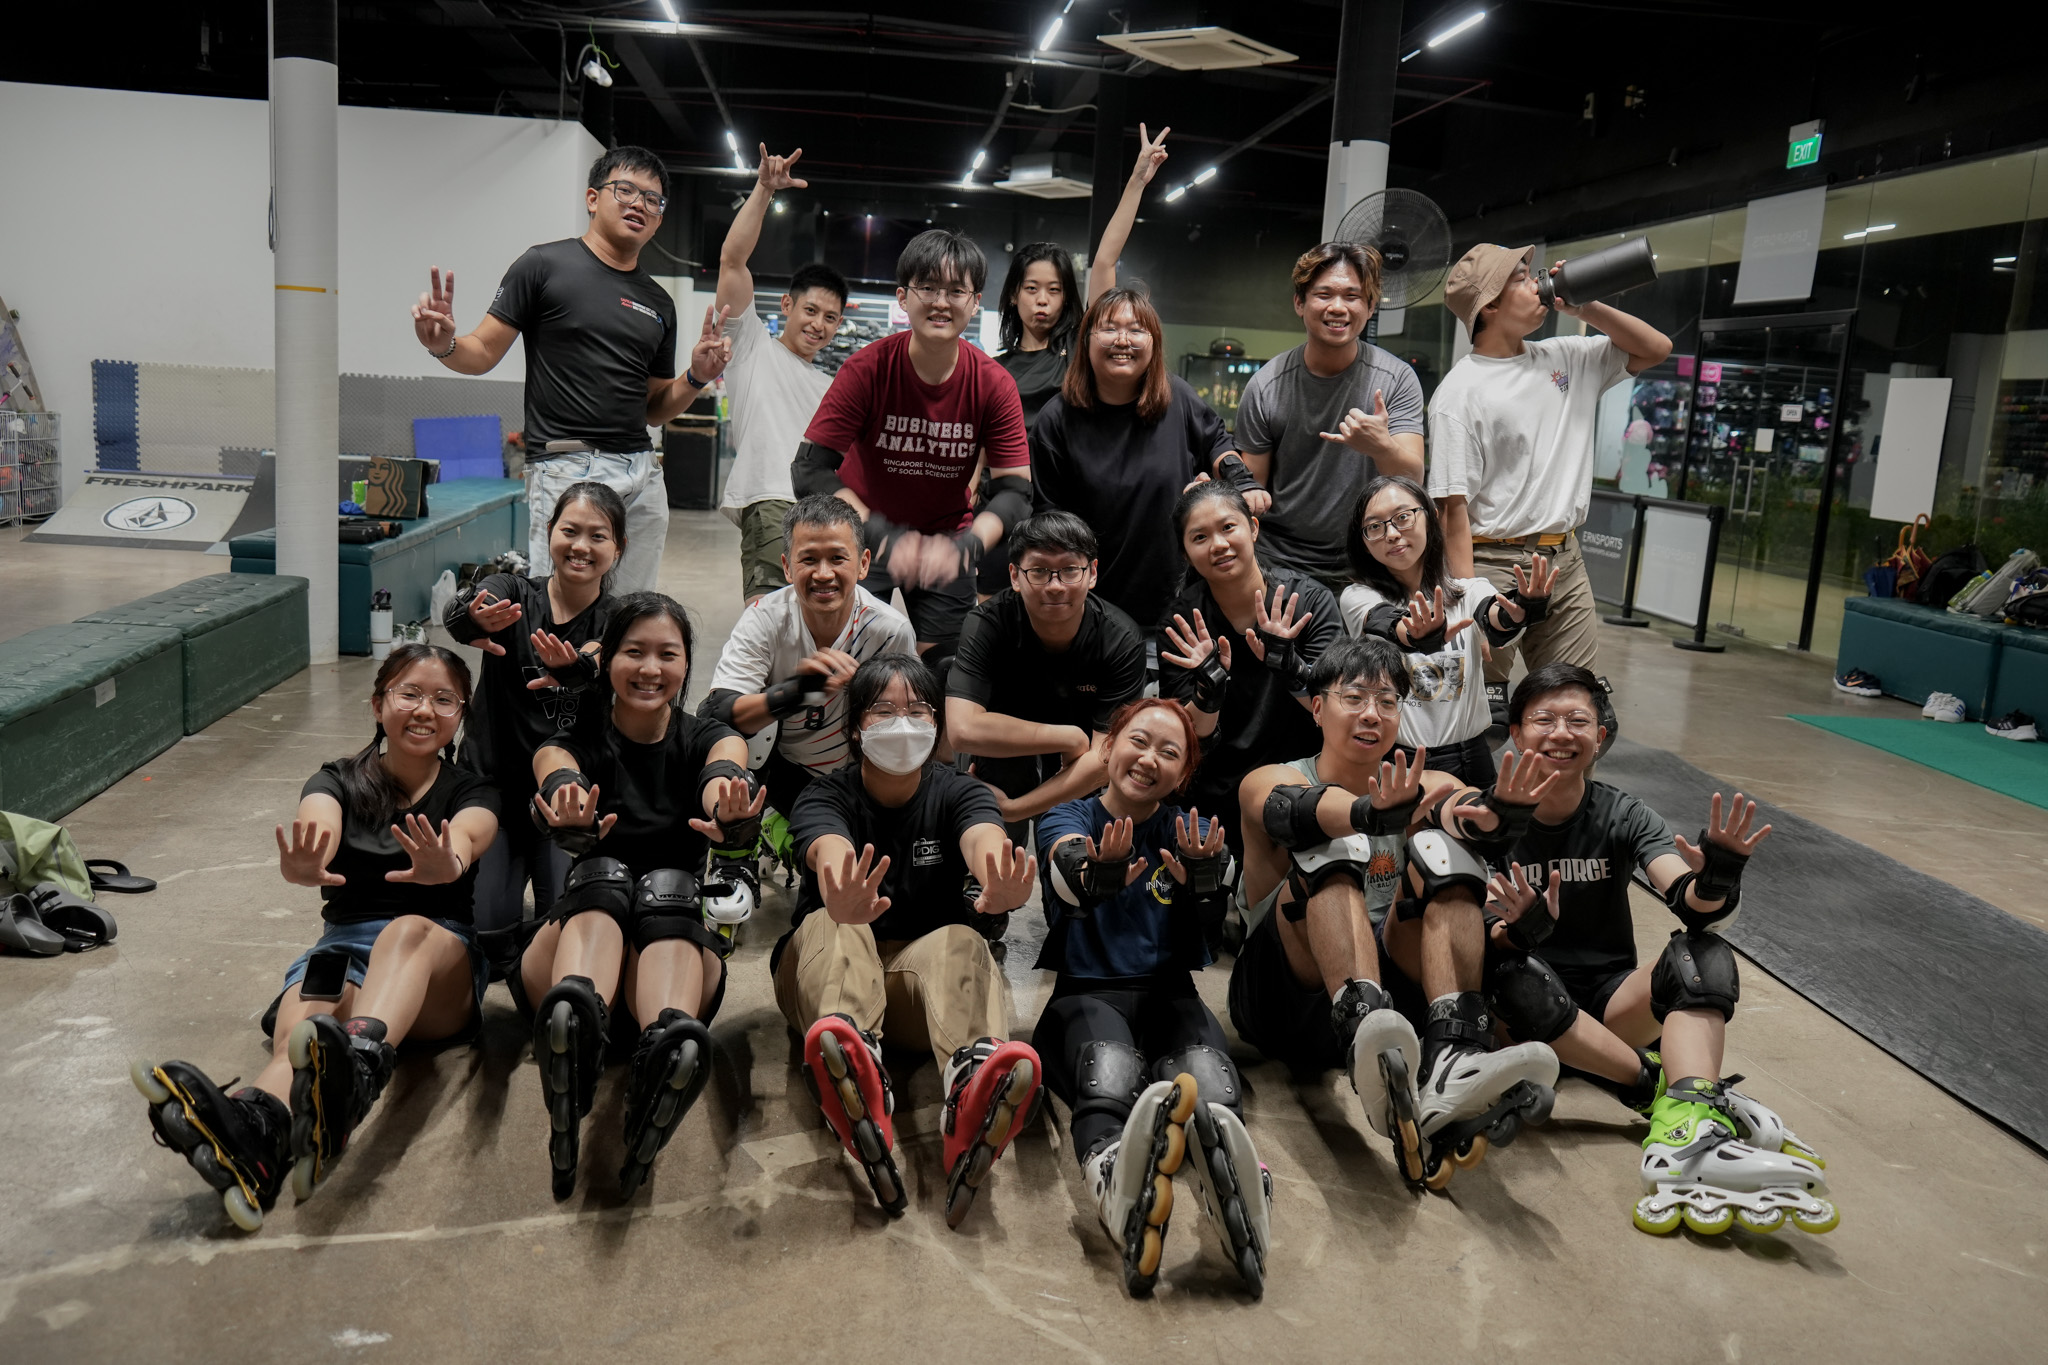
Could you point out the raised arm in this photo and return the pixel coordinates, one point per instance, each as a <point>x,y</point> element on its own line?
<point>1646,346</point>
<point>433,322</point>
<point>1102,268</point>
<point>735,281</point>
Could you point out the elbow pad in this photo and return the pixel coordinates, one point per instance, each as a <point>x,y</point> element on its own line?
<point>1232,470</point>
<point>1009,497</point>
<point>718,706</point>
<point>815,470</point>
<point>457,621</point>
<point>1290,815</point>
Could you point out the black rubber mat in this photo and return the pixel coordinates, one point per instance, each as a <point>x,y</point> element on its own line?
<point>1950,985</point>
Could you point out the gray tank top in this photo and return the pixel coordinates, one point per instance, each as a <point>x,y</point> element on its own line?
<point>1385,857</point>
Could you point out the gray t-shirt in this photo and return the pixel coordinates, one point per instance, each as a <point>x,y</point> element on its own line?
<point>1316,483</point>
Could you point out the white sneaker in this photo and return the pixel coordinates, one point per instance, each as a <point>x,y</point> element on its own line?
<point>1944,706</point>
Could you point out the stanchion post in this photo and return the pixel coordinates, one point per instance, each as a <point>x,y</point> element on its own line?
<point>1698,642</point>
<point>1635,563</point>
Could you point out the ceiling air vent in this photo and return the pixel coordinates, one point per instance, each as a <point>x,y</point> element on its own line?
<point>1049,175</point>
<point>1196,49</point>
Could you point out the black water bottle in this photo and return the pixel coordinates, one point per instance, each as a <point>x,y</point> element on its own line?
<point>1600,275</point>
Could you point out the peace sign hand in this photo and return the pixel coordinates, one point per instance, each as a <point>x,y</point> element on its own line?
<point>850,889</point>
<point>434,860</point>
<point>303,858</point>
<point>433,317</point>
<point>1006,877</point>
<point>713,351</point>
<point>774,173</point>
<point>1151,155</point>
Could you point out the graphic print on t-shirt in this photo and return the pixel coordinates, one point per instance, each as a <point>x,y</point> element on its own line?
<point>1436,677</point>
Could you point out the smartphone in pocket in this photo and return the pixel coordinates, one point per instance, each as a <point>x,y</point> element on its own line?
<point>326,974</point>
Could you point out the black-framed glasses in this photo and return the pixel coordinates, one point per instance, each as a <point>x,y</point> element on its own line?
<point>1068,574</point>
<point>933,295</point>
<point>629,194</point>
<point>1400,521</point>
<point>412,698</point>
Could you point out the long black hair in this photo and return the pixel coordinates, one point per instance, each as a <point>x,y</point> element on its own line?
<point>373,796</point>
<point>610,505</point>
<point>1377,576</point>
<point>872,679</point>
<point>633,607</point>
<point>1064,327</point>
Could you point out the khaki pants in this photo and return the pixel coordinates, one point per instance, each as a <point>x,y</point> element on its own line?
<point>761,547</point>
<point>941,991</point>
<point>1571,632</point>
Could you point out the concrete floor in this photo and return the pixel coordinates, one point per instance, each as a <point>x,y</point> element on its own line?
<point>437,1239</point>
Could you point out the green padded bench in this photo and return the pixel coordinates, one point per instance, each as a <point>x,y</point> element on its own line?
<point>81,707</point>
<point>1916,650</point>
<point>243,633</point>
<point>2022,683</point>
<point>470,521</point>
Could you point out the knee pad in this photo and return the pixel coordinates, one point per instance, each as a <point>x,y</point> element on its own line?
<point>1696,972</point>
<point>1216,1078</point>
<point>1108,1080</point>
<point>1351,858</point>
<point>1438,863</point>
<point>1290,815</point>
<point>667,903</point>
<point>597,884</point>
<point>1527,996</point>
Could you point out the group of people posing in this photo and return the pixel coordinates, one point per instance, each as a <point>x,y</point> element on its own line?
<point>1204,691</point>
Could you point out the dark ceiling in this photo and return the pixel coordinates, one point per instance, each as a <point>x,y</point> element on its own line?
<point>1550,116</point>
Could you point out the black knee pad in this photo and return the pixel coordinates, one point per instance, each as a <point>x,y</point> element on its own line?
<point>1216,1078</point>
<point>1438,863</point>
<point>1109,1078</point>
<point>597,884</point>
<point>1527,996</point>
<point>1696,972</point>
<point>667,903</point>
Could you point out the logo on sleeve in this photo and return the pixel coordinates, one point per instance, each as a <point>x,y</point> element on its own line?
<point>640,308</point>
<point>924,852</point>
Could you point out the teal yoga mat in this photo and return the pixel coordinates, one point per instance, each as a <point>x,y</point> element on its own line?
<point>2018,769</point>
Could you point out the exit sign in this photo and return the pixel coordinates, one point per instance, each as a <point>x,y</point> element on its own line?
<point>1802,144</point>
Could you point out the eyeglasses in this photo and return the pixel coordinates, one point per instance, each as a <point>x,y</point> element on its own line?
<point>1386,703</point>
<point>1400,521</point>
<point>411,699</point>
<point>933,295</point>
<point>889,710</point>
<point>1577,722</point>
<point>1069,575</point>
<point>1131,333</point>
<point>629,194</point>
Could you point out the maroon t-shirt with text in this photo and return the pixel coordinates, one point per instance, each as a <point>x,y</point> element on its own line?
<point>910,446</point>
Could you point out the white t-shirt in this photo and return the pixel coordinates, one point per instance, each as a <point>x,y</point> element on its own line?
<point>1514,436</point>
<point>772,395</point>
<point>770,640</point>
<point>1446,701</point>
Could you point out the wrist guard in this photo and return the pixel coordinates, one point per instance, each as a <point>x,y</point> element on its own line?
<point>1205,872</point>
<point>1367,818</point>
<point>1426,644</point>
<point>575,840</point>
<point>1212,684</point>
<point>583,671</point>
<point>1496,634</point>
<point>1533,927</point>
<point>1534,609</point>
<point>560,778</point>
<point>1083,882</point>
<point>815,470</point>
<point>742,834</point>
<point>1232,470</point>
<point>1283,659</point>
<point>795,694</point>
<point>1696,921</point>
<point>879,534</point>
<point>1722,873</point>
<point>1514,819</point>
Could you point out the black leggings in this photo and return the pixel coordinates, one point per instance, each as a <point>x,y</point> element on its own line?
<point>1158,1019</point>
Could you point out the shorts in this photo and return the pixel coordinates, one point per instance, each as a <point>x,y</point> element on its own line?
<point>935,613</point>
<point>358,938</point>
<point>762,547</point>
<point>1592,988</point>
<point>1290,1022</point>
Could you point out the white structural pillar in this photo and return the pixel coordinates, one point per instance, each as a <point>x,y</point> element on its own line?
<point>305,207</point>
<point>1362,114</point>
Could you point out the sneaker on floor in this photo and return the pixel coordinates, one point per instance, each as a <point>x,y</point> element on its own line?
<point>2012,725</point>
<point>1858,683</point>
<point>1944,706</point>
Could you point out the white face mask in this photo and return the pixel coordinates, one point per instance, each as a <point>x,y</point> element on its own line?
<point>899,744</point>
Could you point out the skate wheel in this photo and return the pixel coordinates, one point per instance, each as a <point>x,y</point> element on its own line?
<point>849,1100</point>
<point>1174,1148</point>
<point>562,1153</point>
<point>564,1182</point>
<point>1162,1202</point>
<point>1767,1220</point>
<point>1150,1250</point>
<point>648,1146</point>
<point>562,1111</point>
<point>1804,1152</point>
<point>1183,1099</point>
<point>958,1201</point>
<point>979,1162</point>
<point>685,1066</point>
<point>1234,1223</point>
<point>1408,1150</point>
<point>1251,1272</point>
<point>1471,1154</point>
<point>1826,1222</point>
<point>1708,1224</point>
<point>868,1139</point>
<point>143,1075</point>
<point>888,1189</point>
<point>303,1179</point>
<point>1656,1220</point>
<point>241,1212</point>
<point>178,1129</point>
<point>208,1165</point>
<point>629,1179</point>
<point>1437,1179</point>
<point>832,1055</point>
<point>559,1021</point>
<point>558,1073</point>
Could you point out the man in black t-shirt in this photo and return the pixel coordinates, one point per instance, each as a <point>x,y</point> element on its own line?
<point>1040,668</point>
<point>600,357</point>
<point>1562,969</point>
<point>903,859</point>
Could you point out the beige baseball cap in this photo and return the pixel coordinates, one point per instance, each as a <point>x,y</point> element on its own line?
<point>1479,276</point>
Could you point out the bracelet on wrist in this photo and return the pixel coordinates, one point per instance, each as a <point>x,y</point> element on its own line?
<point>443,355</point>
<point>693,381</point>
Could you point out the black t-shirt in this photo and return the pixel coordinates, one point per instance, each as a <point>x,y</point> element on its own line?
<point>366,855</point>
<point>1123,476</point>
<point>655,789</point>
<point>1261,723</point>
<point>1611,835</point>
<point>507,723</point>
<point>594,337</point>
<point>1038,375</point>
<point>927,874</point>
<point>1001,664</point>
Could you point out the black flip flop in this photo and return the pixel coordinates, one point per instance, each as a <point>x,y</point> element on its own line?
<point>118,878</point>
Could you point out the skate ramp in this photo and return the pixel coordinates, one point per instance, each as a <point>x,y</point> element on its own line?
<point>149,511</point>
<point>1948,984</point>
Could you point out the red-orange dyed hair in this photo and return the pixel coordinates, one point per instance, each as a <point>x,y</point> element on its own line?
<point>1125,714</point>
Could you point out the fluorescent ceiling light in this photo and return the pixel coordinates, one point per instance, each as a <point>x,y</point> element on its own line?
<point>1051,32</point>
<point>731,141</point>
<point>1416,53</point>
<point>670,11</point>
<point>1205,176</point>
<point>980,155</point>
<point>1874,227</point>
<point>1455,29</point>
<point>1176,192</point>
<point>2003,260</point>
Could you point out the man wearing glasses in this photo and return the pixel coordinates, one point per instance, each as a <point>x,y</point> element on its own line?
<point>600,357</point>
<point>902,430</point>
<point>1041,668</point>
